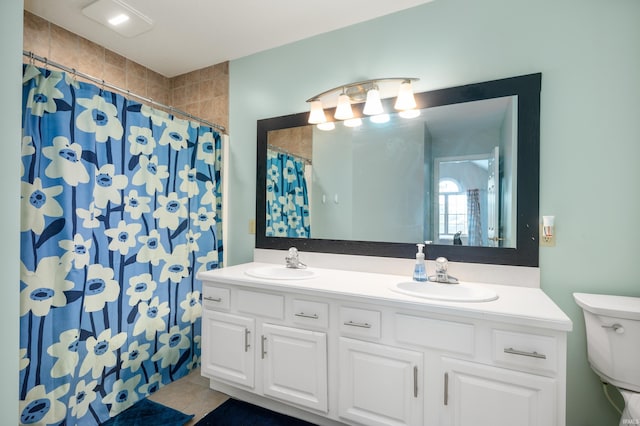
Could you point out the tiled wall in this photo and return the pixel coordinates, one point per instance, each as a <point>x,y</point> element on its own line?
<point>297,141</point>
<point>203,93</point>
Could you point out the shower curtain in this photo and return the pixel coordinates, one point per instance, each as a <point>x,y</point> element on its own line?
<point>287,198</point>
<point>120,207</point>
<point>474,218</point>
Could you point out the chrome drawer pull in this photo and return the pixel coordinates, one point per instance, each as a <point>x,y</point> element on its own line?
<point>533,354</point>
<point>358,324</point>
<point>246,340</point>
<point>262,346</point>
<point>415,381</point>
<point>303,315</point>
<point>446,388</point>
<point>213,299</point>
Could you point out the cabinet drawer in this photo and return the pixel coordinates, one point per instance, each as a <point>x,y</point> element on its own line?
<point>216,297</point>
<point>360,322</point>
<point>438,334</point>
<point>306,312</point>
<point>529,351</point>
<point>262,304</point>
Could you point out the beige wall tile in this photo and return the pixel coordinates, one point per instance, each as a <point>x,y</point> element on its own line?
<point>115,60</point>
<point>36,35</point>
<point>115,75</point>
<point>203,93</point>
<point>64,47</point>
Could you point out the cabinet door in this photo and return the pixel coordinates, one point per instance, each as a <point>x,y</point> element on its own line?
<point>477,394</point>
<point>295,365</point>
<point>380,385</point>
<point>227,350</point>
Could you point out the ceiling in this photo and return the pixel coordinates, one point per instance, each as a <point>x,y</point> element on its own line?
<point>201,33</point>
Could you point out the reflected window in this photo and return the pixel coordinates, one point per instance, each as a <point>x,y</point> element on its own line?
<point>453,208</point>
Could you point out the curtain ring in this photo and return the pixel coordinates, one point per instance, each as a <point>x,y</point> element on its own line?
<point>31,58</point>
<point>75,75</point>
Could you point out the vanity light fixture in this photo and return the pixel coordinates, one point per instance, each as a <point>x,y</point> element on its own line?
<point>371,91</point>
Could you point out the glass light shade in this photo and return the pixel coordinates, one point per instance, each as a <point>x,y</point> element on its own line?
<point>316,115</point>
<point>353,122</point>
<point>343,110</point>
<point>380,118</point>
<point>405,99</point>
<point>373,106</point>
<point>409,113</point>
<point>329,125</point>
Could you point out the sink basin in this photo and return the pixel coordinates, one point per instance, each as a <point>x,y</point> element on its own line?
<point>445,292</point>
<point>278,272</point>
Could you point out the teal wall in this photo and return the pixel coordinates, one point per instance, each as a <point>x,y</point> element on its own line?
<point>10,113</point>
<point>588,52</point>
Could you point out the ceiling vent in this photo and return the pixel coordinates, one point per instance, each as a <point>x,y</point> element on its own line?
<point>119,17</point>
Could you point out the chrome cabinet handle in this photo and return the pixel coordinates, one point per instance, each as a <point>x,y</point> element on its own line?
<point>262,346</point>
<point>533,354</point>
<point>303,315</point>
<point>415,381</point>
<point>246,340</point>
<point>446,388</point>
<point>213,299</point>
<point>358,324</point>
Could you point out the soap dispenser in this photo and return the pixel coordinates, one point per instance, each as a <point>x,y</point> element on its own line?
<point>420,270</point>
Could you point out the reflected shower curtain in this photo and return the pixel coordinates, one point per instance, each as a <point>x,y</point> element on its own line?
<point>473,217</point>
<point>287,198</point>
<point>120,208</point>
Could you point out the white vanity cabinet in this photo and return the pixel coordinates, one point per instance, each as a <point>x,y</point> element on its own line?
<point>319,351</point>
<point>294,363</point>
<point>228,347</point>
<point>246,348</point>
<point>479,394</point>
<point>380,384</point>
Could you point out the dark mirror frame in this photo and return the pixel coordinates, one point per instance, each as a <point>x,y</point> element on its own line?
<point>527,88</point>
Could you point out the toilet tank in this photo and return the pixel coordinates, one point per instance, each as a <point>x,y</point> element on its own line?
<point>613,337</point>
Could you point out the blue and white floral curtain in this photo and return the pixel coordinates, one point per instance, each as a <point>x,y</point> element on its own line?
<point>120,208</point>
<point>287,198</point>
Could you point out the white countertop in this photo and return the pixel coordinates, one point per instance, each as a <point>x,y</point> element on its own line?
<point>516,305</point>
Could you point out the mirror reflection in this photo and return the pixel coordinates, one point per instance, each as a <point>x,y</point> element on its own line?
<point>463,174</point>
<point>445,175</point>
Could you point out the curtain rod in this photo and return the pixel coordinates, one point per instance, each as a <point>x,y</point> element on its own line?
<point>101,82</point>
<point>284,151</point>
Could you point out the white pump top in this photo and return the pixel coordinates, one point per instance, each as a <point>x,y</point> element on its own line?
<point>420,254</point>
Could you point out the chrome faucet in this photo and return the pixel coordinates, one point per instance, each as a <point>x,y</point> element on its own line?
<point>442,274</point>
<point>292,260</point>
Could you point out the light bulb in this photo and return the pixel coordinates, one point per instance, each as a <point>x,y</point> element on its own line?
<point>343,110</point>
<point>405,99</point>
<point>409,113</point>
<point>373,106</point>
<point>380,118</point>
<point>316,115</point>
<point>329,125</point>
<point>353,122</point>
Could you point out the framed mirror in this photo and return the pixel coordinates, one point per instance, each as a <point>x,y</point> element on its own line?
<point>463,174</point>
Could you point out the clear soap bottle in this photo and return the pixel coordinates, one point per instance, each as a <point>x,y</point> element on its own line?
<point>420,270</point>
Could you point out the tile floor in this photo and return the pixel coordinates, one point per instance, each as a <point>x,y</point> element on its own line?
<point>191,395</point>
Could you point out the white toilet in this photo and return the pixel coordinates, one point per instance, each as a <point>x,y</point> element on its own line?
<point>613,345</point>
